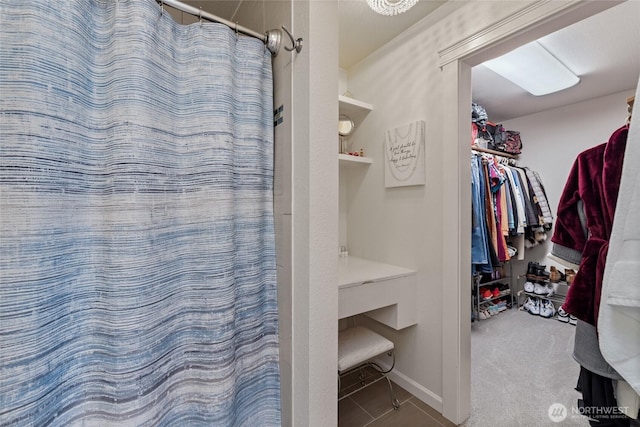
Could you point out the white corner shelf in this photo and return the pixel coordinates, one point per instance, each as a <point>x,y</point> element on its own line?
<point>353,108</point>
<point>352,105</point>
<point>347,160</point>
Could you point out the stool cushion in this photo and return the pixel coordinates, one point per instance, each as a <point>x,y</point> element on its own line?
<point>358,344</point>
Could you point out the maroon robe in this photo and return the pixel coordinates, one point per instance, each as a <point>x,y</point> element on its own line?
<point>594,180</point>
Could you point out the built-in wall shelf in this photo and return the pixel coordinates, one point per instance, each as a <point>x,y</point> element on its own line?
<point>355,109</point>
<point>349,160</point>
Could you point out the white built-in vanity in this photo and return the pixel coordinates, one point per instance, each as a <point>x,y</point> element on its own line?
<point>384,292</point>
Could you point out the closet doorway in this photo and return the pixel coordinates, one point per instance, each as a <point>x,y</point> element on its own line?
<point>457,64</point>
<point>535,349</point>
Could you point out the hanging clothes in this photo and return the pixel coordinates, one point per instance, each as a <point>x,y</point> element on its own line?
<point>479,240</point>
<point>540,198</point>
<point>584,225</point>
<point>619,315</point>
<point>510,203</point>
<point>520,219</point>
<point>592,190</point>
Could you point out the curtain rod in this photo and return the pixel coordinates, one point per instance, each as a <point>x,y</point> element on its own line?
<point>272,38</point>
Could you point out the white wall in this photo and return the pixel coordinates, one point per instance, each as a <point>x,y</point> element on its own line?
<point>315,214</point>
<point>342,81</point>
<point>404,226</point>
<point>551,141</point>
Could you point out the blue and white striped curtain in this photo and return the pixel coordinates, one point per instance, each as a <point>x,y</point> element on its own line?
<point>137,272</point>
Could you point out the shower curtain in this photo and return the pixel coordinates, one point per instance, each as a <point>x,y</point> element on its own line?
<point>137,267</point>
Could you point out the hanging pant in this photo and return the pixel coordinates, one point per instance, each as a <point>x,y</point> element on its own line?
<point>598,400</point>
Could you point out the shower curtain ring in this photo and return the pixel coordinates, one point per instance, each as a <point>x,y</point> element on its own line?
<point>200,16</point>
<point>162,7</point>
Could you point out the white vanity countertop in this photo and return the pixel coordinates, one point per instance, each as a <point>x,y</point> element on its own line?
<point>354,271</point>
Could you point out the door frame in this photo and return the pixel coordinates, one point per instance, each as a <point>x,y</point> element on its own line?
<point>534,20</point>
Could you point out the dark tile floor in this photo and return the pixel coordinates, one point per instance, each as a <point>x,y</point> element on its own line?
<point>372,406</point>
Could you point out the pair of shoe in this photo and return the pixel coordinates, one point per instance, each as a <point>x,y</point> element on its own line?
<point>501,305</point>
<point>565,317</point>
<point>492,309</point>
<point>536,271</point>
<point>540,307</point>
<point>486,293</point>
<point>542,289</point>
<point>538,288</point>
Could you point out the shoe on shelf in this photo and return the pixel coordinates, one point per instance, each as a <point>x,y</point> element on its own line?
<point>554,275</point>
<point>496,292</point>
<point>563,316</point>
<point>553,287</point>
<point>493,309</point>
<point>482,315</point>
<point>537,288</point>
<point>573,319</point>
<point>542,274</point>
<point>532,270</point>
<point>531,305</point>
<point>528,286</point>
<point>502,305</point>
<point>569,274</point>
<point>486,293</point>
<point>547,309</point>
<point>540,289</point>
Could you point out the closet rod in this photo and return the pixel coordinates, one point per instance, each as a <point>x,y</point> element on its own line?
<point>494,152</point>
<point>272,38</point>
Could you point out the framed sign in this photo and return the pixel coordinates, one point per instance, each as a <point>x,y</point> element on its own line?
<point>404,155</point>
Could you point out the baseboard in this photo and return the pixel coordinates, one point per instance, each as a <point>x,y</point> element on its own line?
<point>418,390</point>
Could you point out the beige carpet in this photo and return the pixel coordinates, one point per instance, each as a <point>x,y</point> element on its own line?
<point>521,365</point>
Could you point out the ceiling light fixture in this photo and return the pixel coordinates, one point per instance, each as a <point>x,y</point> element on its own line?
<point>534,69</point>
<point>391,7</point>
